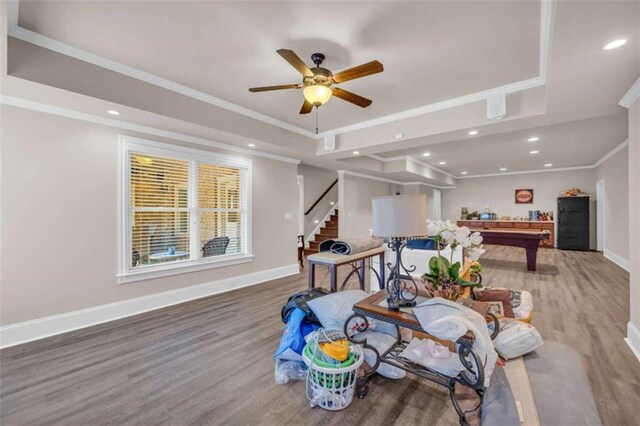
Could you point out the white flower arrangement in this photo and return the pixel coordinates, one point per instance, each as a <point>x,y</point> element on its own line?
<point>454,235</point>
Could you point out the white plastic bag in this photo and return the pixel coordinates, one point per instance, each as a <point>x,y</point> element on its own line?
<point>289,370</point>
<point>516,338</point>
<point>522,303</point>
<point>426,353</point>
<point>382,342</point>
<point>448,320</point>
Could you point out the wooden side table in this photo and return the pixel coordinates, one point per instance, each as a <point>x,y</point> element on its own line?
<point>332,261</point>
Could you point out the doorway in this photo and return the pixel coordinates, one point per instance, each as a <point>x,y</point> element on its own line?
<point>600,213</point>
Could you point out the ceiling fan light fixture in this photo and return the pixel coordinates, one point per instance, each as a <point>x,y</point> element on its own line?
<point>317,94</point>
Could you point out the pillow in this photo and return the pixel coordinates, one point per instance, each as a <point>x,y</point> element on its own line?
<point>516,338</point>
<point>334,309</point>
<point>497,295</point>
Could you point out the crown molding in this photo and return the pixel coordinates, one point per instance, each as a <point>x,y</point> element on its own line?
<point>438,106</point>
<point>610,154</point>
<point>546,16</point>
<point>525,172</point>
<point>410,159</point>
<point>631,96</point>
<point>121,124</point>
<point>65,49</point>
<point>395,182</point>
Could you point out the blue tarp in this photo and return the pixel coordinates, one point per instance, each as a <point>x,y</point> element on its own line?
<point>292,341</point>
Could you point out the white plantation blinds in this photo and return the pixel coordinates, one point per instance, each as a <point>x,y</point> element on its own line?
<point>219,205</point>
<point>183,207</point>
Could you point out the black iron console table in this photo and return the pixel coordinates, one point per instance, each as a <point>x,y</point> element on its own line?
<point>373,307</point>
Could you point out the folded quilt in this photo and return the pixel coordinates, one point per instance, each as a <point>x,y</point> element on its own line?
<point>349,245</point>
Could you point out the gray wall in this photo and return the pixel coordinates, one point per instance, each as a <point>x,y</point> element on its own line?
<point>634,222</point>
<point>355,195</point>
<point>316,181</point>
<point>615,172</point>
<point>498,192</point>
<point>59,218</point>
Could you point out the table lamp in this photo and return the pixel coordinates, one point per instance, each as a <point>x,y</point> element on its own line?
<point>399,218</point>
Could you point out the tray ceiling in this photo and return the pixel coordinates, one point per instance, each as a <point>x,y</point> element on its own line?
<point>432,51</point>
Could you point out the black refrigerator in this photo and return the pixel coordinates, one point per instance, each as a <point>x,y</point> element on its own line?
<point>573,223</point>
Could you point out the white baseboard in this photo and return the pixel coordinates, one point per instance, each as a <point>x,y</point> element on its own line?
<point>633,339</point>
<point>27,331</point>
<point>618,260</point>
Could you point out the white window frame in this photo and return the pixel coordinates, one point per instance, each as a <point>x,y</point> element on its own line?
<point>126,273</point>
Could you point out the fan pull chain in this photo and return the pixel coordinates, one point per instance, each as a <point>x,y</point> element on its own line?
<point>316,120</point>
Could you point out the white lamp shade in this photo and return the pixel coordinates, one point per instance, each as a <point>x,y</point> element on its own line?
<point>400,216</point>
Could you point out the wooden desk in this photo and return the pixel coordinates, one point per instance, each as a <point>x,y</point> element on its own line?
<point>527,239</point>
<point>332,261</point>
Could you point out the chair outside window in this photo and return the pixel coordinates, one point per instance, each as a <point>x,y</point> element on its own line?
<point>215,247</point>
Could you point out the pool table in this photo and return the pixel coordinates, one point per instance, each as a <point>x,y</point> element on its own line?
<point>527,239</point>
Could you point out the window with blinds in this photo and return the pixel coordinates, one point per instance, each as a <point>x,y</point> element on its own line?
<point>183,207</point>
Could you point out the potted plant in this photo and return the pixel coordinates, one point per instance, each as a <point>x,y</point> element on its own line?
<point>475,270</point>
<point>443,278</point>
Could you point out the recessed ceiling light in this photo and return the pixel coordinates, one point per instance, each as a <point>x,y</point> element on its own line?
<point>442,163</point>
<point>464,173</point>
<point>316,221</point>
<point>356,152</point>
<point>113,112</point>
<point>533,152</point>
<point>426,154</point>
<point>548,165</point>
<point>615,44</point>
<point>502,169</point>
<point>533,139</point>
<point>251,145</point>
<point>473,132</point>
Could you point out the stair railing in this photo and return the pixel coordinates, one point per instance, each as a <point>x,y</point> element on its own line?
<point>326,191</point>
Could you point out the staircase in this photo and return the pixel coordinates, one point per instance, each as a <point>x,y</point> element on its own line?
<point>327,232</point>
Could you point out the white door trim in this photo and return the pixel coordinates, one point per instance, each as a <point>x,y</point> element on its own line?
<point>600,215</point>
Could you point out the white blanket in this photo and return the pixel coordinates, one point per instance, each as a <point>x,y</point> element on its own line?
<point>449,321</point>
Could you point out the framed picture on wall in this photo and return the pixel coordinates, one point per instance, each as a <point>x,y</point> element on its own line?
<point>524,196</point>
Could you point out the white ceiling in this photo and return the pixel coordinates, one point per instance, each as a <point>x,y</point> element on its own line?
<point>571,144</point>
<point>431,51</point>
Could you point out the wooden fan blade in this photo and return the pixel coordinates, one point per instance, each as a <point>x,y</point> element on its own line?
<point>351,97</point>
<point>281,87</point>
<point>291,57</point>
<point>306,107</point>
<point>363,70</point>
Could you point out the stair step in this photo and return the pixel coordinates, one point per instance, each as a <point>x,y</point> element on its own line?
<point>329,232</point>
<point>331,224</point>
<point>309,251</point>
<point>320,238</point>
<point>333,217</point>
<point>313,245</point>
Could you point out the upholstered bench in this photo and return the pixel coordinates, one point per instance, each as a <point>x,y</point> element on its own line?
<point>559,385</point>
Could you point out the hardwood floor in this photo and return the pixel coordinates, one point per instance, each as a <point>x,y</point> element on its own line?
<point>210,361</point>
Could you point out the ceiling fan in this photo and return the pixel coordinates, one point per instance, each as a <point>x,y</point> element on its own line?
<point>316,82</point>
